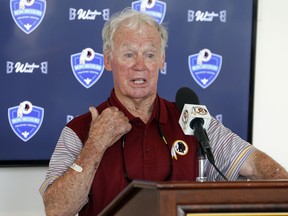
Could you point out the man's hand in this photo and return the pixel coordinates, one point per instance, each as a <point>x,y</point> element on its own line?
<point>108,127</point>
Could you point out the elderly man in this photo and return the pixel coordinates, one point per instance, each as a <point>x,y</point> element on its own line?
<point>130,136</point>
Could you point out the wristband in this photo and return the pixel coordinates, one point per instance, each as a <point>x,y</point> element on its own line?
<point>76,167</point>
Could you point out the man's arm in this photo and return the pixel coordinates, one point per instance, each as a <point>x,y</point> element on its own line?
<point>68,194</point>
<point>260,166</point>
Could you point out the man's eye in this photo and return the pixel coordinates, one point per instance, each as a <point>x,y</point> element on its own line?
<point>128,55</point>
<point>150,55</point>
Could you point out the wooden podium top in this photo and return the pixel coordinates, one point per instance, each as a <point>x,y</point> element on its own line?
<point>181,198</point>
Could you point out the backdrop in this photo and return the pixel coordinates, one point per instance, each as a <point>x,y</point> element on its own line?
<point>51,64</point>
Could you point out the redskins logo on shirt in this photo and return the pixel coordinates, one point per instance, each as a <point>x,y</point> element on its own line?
<point>179,147</point>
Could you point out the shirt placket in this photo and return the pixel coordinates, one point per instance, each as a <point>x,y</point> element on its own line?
<point>147,155</point>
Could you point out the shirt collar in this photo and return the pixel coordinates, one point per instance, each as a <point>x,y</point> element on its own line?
<point>159,105</point>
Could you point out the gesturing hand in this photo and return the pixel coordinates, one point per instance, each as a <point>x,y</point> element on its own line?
<point>108,127</point>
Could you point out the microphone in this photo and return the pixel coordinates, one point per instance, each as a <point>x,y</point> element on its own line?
<point>194,119</point>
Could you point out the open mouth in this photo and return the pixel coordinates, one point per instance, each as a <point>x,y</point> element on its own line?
<point>139,81</point>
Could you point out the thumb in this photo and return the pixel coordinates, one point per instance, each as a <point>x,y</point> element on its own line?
<point>94,112</point>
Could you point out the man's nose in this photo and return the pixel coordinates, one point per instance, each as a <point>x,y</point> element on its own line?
<point>140,62</point>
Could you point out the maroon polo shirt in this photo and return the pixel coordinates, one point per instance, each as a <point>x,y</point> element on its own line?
<point>146,154</point>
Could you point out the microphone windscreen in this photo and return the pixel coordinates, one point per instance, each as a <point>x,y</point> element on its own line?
<point>184,96</point>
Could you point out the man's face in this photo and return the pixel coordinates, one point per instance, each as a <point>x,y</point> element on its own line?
<point>135,63</point>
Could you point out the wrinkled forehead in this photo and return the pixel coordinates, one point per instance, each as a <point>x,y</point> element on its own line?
<point>137,33</point>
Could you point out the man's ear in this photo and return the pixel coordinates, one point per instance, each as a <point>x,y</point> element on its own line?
<point>162,61</point>
<point>107,62</point>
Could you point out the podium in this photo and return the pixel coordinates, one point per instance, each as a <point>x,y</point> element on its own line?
<point>142,198</point>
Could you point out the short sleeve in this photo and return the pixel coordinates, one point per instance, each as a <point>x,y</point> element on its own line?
<point>230,152</point>
<point>67,149</point>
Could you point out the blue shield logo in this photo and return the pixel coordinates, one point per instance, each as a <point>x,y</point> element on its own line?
<point>28,14</point>
<point>156,9</point>
<point>25,120</point>
<point>205,67</point>
<point>87,67</point>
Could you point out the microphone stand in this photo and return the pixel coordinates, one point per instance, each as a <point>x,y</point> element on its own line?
<point>201,161</point>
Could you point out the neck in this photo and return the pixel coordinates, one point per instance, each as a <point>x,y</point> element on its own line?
<point>141,108</point>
